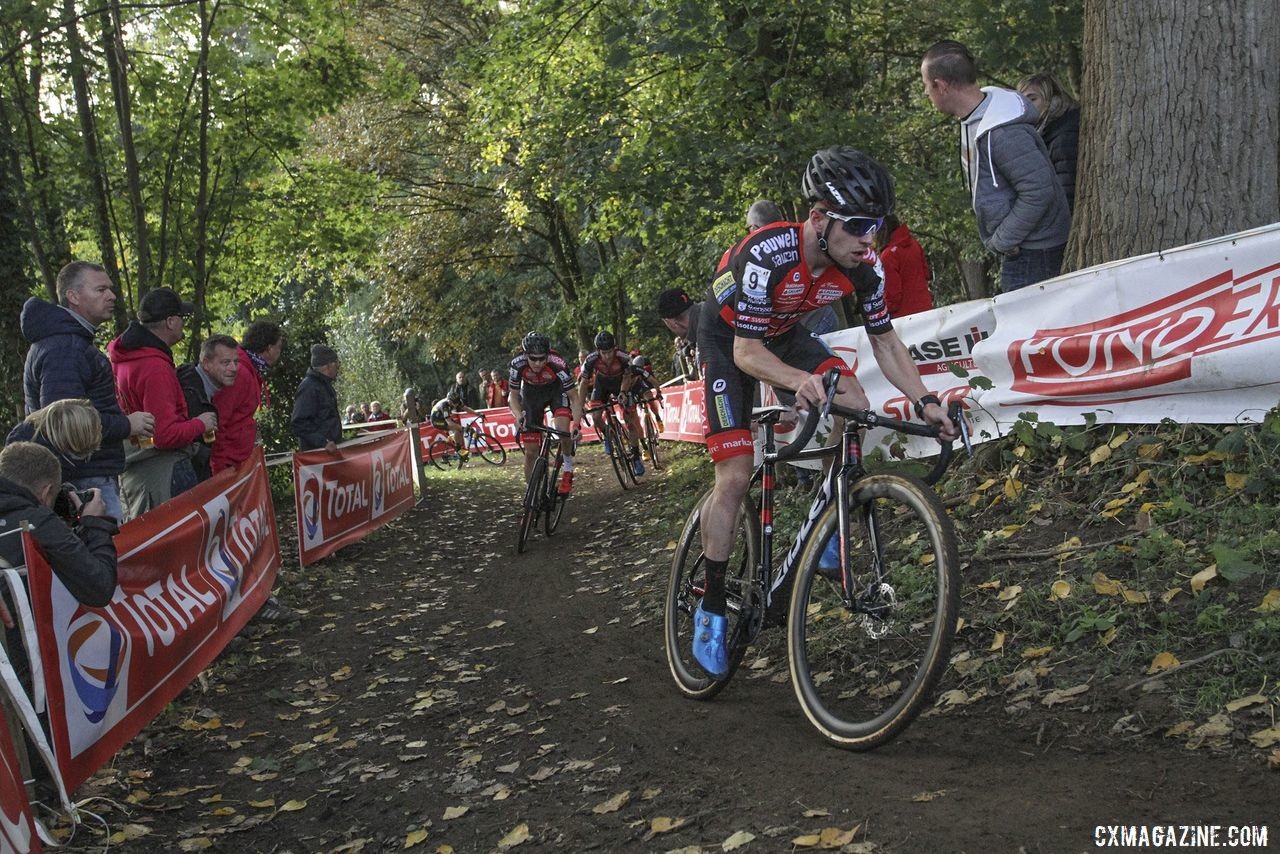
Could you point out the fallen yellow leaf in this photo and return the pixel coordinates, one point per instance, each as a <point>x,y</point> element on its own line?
<point>1010,592</point>
<point>1246,702</point>
<point>1270,602</point>
<point>516,836</point>
<point>1235,479</point>
<point>997,643</point>
<point>262,805</point>
<point>1203,577</point>
<point>1100,454</point>
<point>1134,597</point>
<point>1054,698</point>
<point>450,813</point>
<point>614,804</point>
<point>293,806</point>
<point>415,837</point>
<point>1167,596</point>
<point>1104,586</point>
<point>1266,737</point>
<point>1163,661</point>
<point>198,843</point>
<point>663,824</point>
<point>1060,589</point>
<point>1037,652</point>
<point>737,840</point>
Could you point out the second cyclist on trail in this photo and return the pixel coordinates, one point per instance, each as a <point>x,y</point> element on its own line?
<point>540,380</point>
<point>749,331</point>
<point>607,371</point>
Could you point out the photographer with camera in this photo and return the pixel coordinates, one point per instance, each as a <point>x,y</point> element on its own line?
<point>76,538</point>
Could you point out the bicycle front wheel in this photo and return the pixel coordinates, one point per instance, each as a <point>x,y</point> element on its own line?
<point>651,442</point>
<point>533,493</point>
<point>617,456</point>
<point>864,666</point>
<point>685,587</point>
<point>554,501</point>
<point>490,449</point>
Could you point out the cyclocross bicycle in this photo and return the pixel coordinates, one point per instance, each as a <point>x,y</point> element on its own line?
<point>542,495</point>
<point>614,434</point>
<point>648,429</point>
<point>443,455</point>
<point>867,639</point>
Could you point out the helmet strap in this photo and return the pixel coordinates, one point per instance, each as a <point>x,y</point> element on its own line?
<point>822,238</point>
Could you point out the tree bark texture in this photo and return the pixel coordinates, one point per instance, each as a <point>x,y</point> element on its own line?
<point>118,69</point>
<point>1180,125</point>
<point>94,175</point>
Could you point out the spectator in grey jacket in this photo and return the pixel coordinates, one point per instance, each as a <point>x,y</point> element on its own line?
<point>316,422</point>
<point>1021,208</point>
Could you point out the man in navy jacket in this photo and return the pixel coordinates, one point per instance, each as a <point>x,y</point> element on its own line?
<point>65,362</point>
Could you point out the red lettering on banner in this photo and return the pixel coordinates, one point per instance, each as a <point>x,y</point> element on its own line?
<point>1152,345</point>
<point>17,827</point>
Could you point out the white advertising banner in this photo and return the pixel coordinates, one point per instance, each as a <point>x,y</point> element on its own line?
<point>1188,334</point>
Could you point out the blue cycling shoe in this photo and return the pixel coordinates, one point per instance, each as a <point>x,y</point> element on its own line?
<point>708,642</point>
<point>636,465</point>
<point>829,563</point>
<point>608,448</point>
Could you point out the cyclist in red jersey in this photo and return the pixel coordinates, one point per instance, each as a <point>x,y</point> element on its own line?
<point>606,372</point>
<point>749,333</point>
<point>539,380</point>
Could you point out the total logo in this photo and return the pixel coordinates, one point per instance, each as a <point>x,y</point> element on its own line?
<point>379,485</point>
<point>97,656</point>
<point>719,386</point>
<point>230,544</point>
<point>310,496</point>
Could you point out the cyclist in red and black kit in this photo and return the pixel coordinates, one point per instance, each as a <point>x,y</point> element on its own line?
<point>539,380</point>
<point>749,331</point>
<point>606,372</point>
<point>645,388</point>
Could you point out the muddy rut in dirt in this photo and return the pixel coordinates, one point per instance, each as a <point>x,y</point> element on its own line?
<point>442,692</point>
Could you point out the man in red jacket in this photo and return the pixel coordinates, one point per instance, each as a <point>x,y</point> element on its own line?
<point>238,429</point>
<point>906,270</point>
<point>147,381</point>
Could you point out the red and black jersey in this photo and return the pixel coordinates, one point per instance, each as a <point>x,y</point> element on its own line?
<point>524,375</point>
<point>595,366</point>
<point>763,286</point>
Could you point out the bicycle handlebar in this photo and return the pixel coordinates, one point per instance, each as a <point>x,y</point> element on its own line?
<point>868,418</point>
<point>553,431</point>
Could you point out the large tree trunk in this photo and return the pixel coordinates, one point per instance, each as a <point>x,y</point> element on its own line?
<point>117,68</point>
<point>200,262</point>
<point>94,175</point>
<point>1180,125</point>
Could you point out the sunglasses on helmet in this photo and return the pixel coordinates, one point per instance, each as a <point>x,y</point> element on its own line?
<point>858,226</point>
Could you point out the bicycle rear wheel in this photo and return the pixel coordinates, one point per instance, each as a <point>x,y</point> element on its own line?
<point>863,672</point>
<point>533,493</point>
<point>617,455</point>
<point>489,449</point>
<point>685,587</point>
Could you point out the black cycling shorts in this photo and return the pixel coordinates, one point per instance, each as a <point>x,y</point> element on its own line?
<point>607,387</point>
<point>537,399</point>
<point>729,391</point>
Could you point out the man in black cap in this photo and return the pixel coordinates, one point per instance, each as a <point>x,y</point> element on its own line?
<point>147,381</point>
<point>316,421</point>
<point>680,315</point>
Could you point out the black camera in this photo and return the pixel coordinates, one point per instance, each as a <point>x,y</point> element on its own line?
<point>62,503</point>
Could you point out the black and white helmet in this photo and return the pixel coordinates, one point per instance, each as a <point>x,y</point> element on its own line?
<point>849,182</point>
<point>536,344</point>
<point>604,340</point>
<point>640,363</point>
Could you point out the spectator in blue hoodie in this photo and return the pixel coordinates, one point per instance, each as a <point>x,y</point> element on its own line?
<point>1020,205</point>
<point>64,362</point>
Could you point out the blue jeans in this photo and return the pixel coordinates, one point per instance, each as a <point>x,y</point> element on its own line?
<point>1029,267</point>
<point>183,478</point>
<point>110,487</point>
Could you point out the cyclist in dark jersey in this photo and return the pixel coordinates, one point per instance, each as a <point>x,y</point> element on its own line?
<point>445,418</point>
<point>606,372</point>
<point>749,332</point>
<point>539,380</point>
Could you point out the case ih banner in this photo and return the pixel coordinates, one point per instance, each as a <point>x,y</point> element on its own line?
<point>191,574</point>
<point>1190,334</point>
<point>340,498</point>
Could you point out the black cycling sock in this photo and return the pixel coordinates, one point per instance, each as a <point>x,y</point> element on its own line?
<point>713,601</point>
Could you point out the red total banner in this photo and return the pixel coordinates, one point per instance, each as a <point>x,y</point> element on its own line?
<point>341,497</point>
<point>17,824</point>
<point>191,574</point>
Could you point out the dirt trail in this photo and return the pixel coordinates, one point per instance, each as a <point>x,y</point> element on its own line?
<point>438,682</point>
